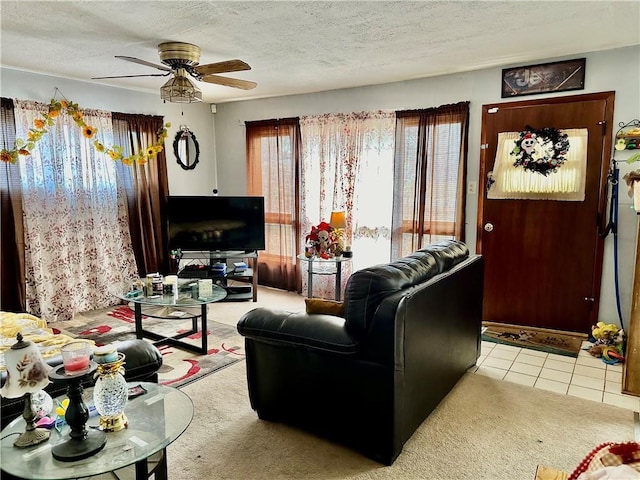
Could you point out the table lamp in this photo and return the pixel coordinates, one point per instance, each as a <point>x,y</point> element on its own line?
<point>338,222</point>
<point>26,374</point>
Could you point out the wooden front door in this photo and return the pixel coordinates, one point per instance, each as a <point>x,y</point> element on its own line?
<point>543,258</point>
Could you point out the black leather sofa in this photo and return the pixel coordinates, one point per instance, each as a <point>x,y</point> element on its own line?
<point>141,364</point>
<point>368,380</point>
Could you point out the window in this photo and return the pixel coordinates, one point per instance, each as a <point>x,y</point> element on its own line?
<point>429,174</point>
<point>272,165</point>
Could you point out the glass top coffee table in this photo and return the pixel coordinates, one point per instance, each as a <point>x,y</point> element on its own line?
<point>184,303</point>
<point>156,419</point>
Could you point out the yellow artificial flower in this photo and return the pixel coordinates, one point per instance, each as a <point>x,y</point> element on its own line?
<point>54,109</point>
<point>89,131</point>
<point>61,409</point>
<point>6,156</point>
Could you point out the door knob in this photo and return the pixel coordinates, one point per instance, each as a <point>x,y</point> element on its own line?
<point>488,227</point>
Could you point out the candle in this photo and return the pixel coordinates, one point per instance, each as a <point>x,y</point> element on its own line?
<point>76,364</point>
<point>76,357</point>
<point>105,354</point>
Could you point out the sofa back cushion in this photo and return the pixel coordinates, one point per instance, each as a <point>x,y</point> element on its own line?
<point>367,288</point>
<point>447,253</point>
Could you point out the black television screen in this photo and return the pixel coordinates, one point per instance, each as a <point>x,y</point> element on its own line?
<point>199,223</point>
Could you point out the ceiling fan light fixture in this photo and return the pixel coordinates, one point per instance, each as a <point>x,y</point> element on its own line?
<point>180,89</point>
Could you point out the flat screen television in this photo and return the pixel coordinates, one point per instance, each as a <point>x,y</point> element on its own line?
<point>202,223</point>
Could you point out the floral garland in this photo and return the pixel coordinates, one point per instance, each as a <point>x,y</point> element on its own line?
<point>542,151</point>
<point>35,134</point>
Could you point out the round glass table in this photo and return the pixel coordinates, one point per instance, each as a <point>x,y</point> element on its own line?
<point>156,419</point>
<point>321,266</point>
<point>166,306</point>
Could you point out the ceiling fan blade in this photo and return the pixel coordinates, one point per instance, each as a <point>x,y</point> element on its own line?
<point>222,67</point>
<point>229,82</point>
<point>143,62</point>
<point>132,76</point>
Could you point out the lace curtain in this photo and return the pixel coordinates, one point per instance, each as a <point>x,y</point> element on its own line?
<point>347,164</point>
<point>77,243</point>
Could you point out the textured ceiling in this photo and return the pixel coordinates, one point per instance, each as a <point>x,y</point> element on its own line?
<point>302,47</point>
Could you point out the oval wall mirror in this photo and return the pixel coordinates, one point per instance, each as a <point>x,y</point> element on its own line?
<point>186,149</point>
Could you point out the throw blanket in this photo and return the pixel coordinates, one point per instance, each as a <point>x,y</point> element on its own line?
<point>33,329</point>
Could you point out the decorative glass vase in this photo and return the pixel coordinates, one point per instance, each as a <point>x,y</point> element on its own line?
<point>110,395</point>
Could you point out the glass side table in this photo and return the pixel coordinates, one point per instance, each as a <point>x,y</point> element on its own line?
<point>156,419</point>
<point>321,266</point>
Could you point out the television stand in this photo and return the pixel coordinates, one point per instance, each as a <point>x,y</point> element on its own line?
<point>240,284</point>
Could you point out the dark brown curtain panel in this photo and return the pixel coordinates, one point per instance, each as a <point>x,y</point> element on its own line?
<point>429,176</point>
<point>12,279</point>
<point>273,150</point>
<point>146,188</point>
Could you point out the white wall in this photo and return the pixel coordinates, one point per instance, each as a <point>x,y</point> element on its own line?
<point>614,70</point>
<point>197,116</point>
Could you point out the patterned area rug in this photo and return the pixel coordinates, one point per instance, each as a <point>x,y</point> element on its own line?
<point>179,367</point>
<point>545,340</point>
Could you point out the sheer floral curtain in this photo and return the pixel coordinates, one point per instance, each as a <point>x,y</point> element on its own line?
<point>347,164</point>
<point>77,243</point>
<point>273,148</point>
<point>12,284</point>
<point>430,168</point>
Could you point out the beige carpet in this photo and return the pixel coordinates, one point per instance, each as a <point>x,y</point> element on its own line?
<point>484,429</point>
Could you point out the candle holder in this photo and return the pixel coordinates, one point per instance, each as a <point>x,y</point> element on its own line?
<point>83,443</point>
<point>110,394</point>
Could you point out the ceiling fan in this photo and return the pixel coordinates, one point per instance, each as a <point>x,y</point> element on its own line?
<point>182,59</point>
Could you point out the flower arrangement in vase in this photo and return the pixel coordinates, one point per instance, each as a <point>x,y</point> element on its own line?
<point>321,241</point>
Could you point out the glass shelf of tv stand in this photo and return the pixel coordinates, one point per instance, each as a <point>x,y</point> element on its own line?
<point>218,254</point>
<point>208,258</point>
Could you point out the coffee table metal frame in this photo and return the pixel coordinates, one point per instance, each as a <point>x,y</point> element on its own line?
<point>183,301</point>
<point>156,419</point>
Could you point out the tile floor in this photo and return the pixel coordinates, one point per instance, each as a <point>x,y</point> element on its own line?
<point>585,377</point>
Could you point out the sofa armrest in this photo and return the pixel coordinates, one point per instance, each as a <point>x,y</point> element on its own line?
<point>142,362</point>
<point>319,332</point>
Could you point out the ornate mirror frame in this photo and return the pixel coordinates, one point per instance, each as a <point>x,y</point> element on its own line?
<point>186,149</point>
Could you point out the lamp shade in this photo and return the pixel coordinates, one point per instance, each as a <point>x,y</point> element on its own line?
<point>338,219</point>
<point>180,89</point>
<point>26,371</point>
